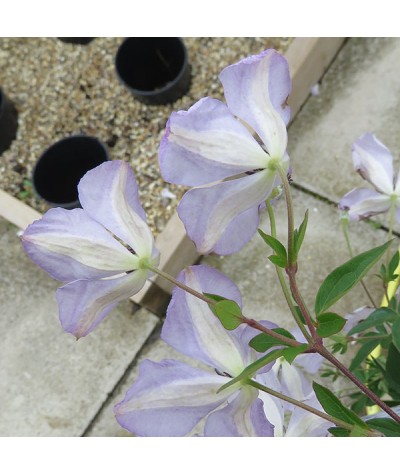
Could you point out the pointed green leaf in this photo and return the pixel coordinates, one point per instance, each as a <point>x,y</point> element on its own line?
<point>290,353</point>
<point>329,324</point>
<point>346,276</point>
<point>263,342</point>
<point>394,262</point>
<point>250,370</point>
<point>339,432</point>
<point>362,353</point>
<point>215,297</point>
<point>299,234</point>
<point>334,407</point>
<point>278,261</point>
<point>377,317</point>
<point>396,334</point>
<point>229,314</point>
<point>393,365</point>
<point>387,426</point>
<point>274,244</point>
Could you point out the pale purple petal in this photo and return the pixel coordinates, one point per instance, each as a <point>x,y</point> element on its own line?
<point>294,383</point>
<point>256,90</point>
<point>273,407</point>
<point>238,232</point>
<point>83,304</point>
<point>362,203</point>
<point>207,212</point>
<point>192,328</point>
<point>69,245</point>
<point>109,194</point>
<point>244,416</point>
<point>207,143</point>
<point>169,399</point>
<point>303,423</point>
<point>374,162</point>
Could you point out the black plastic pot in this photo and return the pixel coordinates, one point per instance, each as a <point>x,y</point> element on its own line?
<point>59,169</point>
<point>77,41</point>
<point>8,122</point>
<point>155,70</point>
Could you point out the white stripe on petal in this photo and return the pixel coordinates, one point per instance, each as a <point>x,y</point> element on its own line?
<point>219,344</point>
<point>108,193</point>
<point>80,245</point>
<point>207,143</point>
<point>256,90</point>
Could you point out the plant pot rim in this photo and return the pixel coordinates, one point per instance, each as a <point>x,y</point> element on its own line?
<point>161,90</point>
<point>74,203</point>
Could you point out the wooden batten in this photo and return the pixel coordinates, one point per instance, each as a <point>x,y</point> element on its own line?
<point>308,60</point>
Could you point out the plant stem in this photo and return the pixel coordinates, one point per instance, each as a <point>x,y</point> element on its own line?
<point>289,205</point>
<point>303,308</point>
<point>248,321</point>
<point>302,405</point>
<point>346,236</point>
<point>281,278</point>
<point>327,355</point>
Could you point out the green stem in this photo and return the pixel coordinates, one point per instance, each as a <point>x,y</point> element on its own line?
<point>292,264</point>
<point>300,404</point>
<point>281,278</point>
<point>346,236</point>
<point>289,205</point>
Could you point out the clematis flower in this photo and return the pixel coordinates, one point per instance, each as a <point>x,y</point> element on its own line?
<point>374,162</point>
<point>212,142</point>
<point>171,398</point>
<point>100,251</point>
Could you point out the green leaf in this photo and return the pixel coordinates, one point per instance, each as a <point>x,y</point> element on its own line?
<point>396,334</point>
<point>387,426</point>
<point>334,407</point>
<point>394,262</point>
<point>299,234</point>
<point>274,244</point>
<point>249,371</point>
<point>346,276</point>
<point>215,297</point>
<point>329,324</point>
<point>339,432</point>
<point>377,317</point>
<point>278,260</point>
<point>229,314</point>
<point>263,342</point>
<point>290,353</point>
<point>362,353</point>
<point>393,366</point>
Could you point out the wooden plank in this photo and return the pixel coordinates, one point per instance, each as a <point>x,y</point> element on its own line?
<point>308,60</point>
<point>17,212</point>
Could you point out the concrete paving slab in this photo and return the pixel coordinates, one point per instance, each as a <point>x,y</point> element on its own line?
<point>51,385</point>
<point>155,349</point>
<point>359,93</point>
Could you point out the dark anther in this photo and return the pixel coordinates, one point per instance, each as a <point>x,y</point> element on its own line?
<point>254,171</point>
<point>222,373</point>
